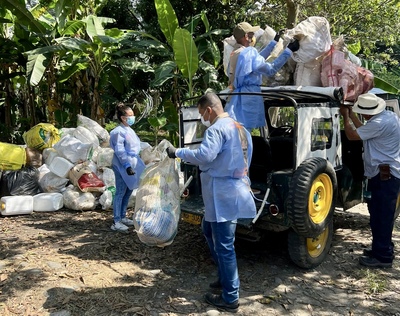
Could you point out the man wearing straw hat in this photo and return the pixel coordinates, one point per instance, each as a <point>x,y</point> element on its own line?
<point>381,141</point>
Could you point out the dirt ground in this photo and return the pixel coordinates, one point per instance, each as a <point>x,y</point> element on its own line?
<point>70,263</point>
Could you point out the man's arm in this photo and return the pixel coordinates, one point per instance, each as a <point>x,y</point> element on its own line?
<point>348,129</point>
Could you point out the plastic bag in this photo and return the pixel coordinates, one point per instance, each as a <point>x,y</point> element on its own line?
<point>73,149</point>
<point>157,207</point>
<point>78,201</point>
<point>314,36</point>
<point>95,127</point>
<point>87,181</point>
<point>41,136</point>
<point>337,71</point>
<point>12,157</point>
<point>86,136</point>
<point>24,181</point>
<point>104,157</point>
<point>49,182</point>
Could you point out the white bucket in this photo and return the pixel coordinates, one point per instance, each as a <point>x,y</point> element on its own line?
<point>60,166</point>
<point>16,205</point>
<point>47,202</point>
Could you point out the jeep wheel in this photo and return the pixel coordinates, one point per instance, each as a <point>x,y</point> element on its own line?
<point>310,252</point>
<point>312,197</point>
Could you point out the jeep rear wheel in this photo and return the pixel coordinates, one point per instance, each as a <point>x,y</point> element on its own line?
<point>312,197</point>
<point>310,252</point>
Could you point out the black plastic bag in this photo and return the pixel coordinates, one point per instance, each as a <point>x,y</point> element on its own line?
<point>23,182</point>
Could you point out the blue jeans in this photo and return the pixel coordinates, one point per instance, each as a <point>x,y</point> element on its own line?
<point>121,198</point>
<point>382,207</point>
<point>221,238</point>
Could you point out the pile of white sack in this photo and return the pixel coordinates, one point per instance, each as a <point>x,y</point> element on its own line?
<point>318,62</point>
<point>74,170</point>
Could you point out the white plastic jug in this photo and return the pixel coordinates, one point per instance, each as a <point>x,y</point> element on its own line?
<point>16,205</point>
<point>47,202</point>
<point>49,154</point>
<point>60,166</point>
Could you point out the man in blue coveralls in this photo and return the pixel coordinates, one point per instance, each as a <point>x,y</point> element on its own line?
<point>246,67</point>
<point>223,158</point>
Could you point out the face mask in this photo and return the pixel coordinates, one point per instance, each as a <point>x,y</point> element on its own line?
<point>130,120</point>
<point>204,122</point>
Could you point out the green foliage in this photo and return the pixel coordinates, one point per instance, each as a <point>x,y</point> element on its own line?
<point>110,126</point>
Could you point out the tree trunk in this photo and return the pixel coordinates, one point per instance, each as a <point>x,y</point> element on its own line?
<point>293,10</point>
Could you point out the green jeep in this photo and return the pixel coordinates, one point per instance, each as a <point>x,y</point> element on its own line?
<point>303,166</point>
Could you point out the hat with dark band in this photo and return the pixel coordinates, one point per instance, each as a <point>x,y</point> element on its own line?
<point>369,104</point>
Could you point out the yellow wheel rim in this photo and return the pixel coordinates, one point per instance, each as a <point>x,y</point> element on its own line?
<point>320,199</point>
<point>316,246</point>
<point>398,201</point>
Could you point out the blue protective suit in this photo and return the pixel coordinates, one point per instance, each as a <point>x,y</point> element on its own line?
<point>126,146</point>
<point>224,157</point>
<point>251,65</point>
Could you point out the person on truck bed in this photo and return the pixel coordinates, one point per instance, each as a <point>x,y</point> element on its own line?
<point>246,67</point>
<point>381,141</point>
<point>223,157</point>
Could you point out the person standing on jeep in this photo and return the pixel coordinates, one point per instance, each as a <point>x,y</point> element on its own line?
<point>223,157</point>
<point>246,67</point>
<point>381,141</point>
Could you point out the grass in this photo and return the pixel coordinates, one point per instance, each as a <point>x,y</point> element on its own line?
<point>377,283</point>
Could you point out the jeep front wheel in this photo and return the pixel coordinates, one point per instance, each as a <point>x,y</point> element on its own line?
<point>310,252</point>
<point>312,197</point>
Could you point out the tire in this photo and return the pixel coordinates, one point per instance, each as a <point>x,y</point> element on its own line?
<point>309,253</point>
<point>312,197</point>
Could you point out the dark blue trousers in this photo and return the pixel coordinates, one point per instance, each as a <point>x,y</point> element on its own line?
<point>382,207</point>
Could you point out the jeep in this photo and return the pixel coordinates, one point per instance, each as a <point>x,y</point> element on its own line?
<point>302,167</point>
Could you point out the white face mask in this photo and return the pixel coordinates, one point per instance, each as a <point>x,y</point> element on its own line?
<point>204,122</point>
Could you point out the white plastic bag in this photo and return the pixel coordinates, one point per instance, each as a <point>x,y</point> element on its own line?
<point>78,201</point>
<point>86,136</point>
<point>73,149</point>
<point>104,157</point>
<point>50,182</point>
<point>314,36</point>
<point>95,127</point>
<point>157,207</point>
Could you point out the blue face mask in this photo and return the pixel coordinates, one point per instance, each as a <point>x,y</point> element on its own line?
<point>130,120</point>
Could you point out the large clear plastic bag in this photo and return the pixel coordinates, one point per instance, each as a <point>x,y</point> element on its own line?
<point>78,201</point>
<point>157,207</point>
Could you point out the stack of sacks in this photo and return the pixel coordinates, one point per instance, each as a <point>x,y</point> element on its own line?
<point>74,169</point>
<point>318,62</point>
<point>67,169</point>
<point>340,68</point>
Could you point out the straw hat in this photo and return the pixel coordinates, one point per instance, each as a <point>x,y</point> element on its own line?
<point>369,104</point>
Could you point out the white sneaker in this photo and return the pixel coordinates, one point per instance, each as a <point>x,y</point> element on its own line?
<point>119,227</point>
<point>127,221</point>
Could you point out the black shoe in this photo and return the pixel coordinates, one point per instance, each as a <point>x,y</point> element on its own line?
<point>218,301</point>
<point>374,263</point>
<point>216,285</point>
<point>367,252</point>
